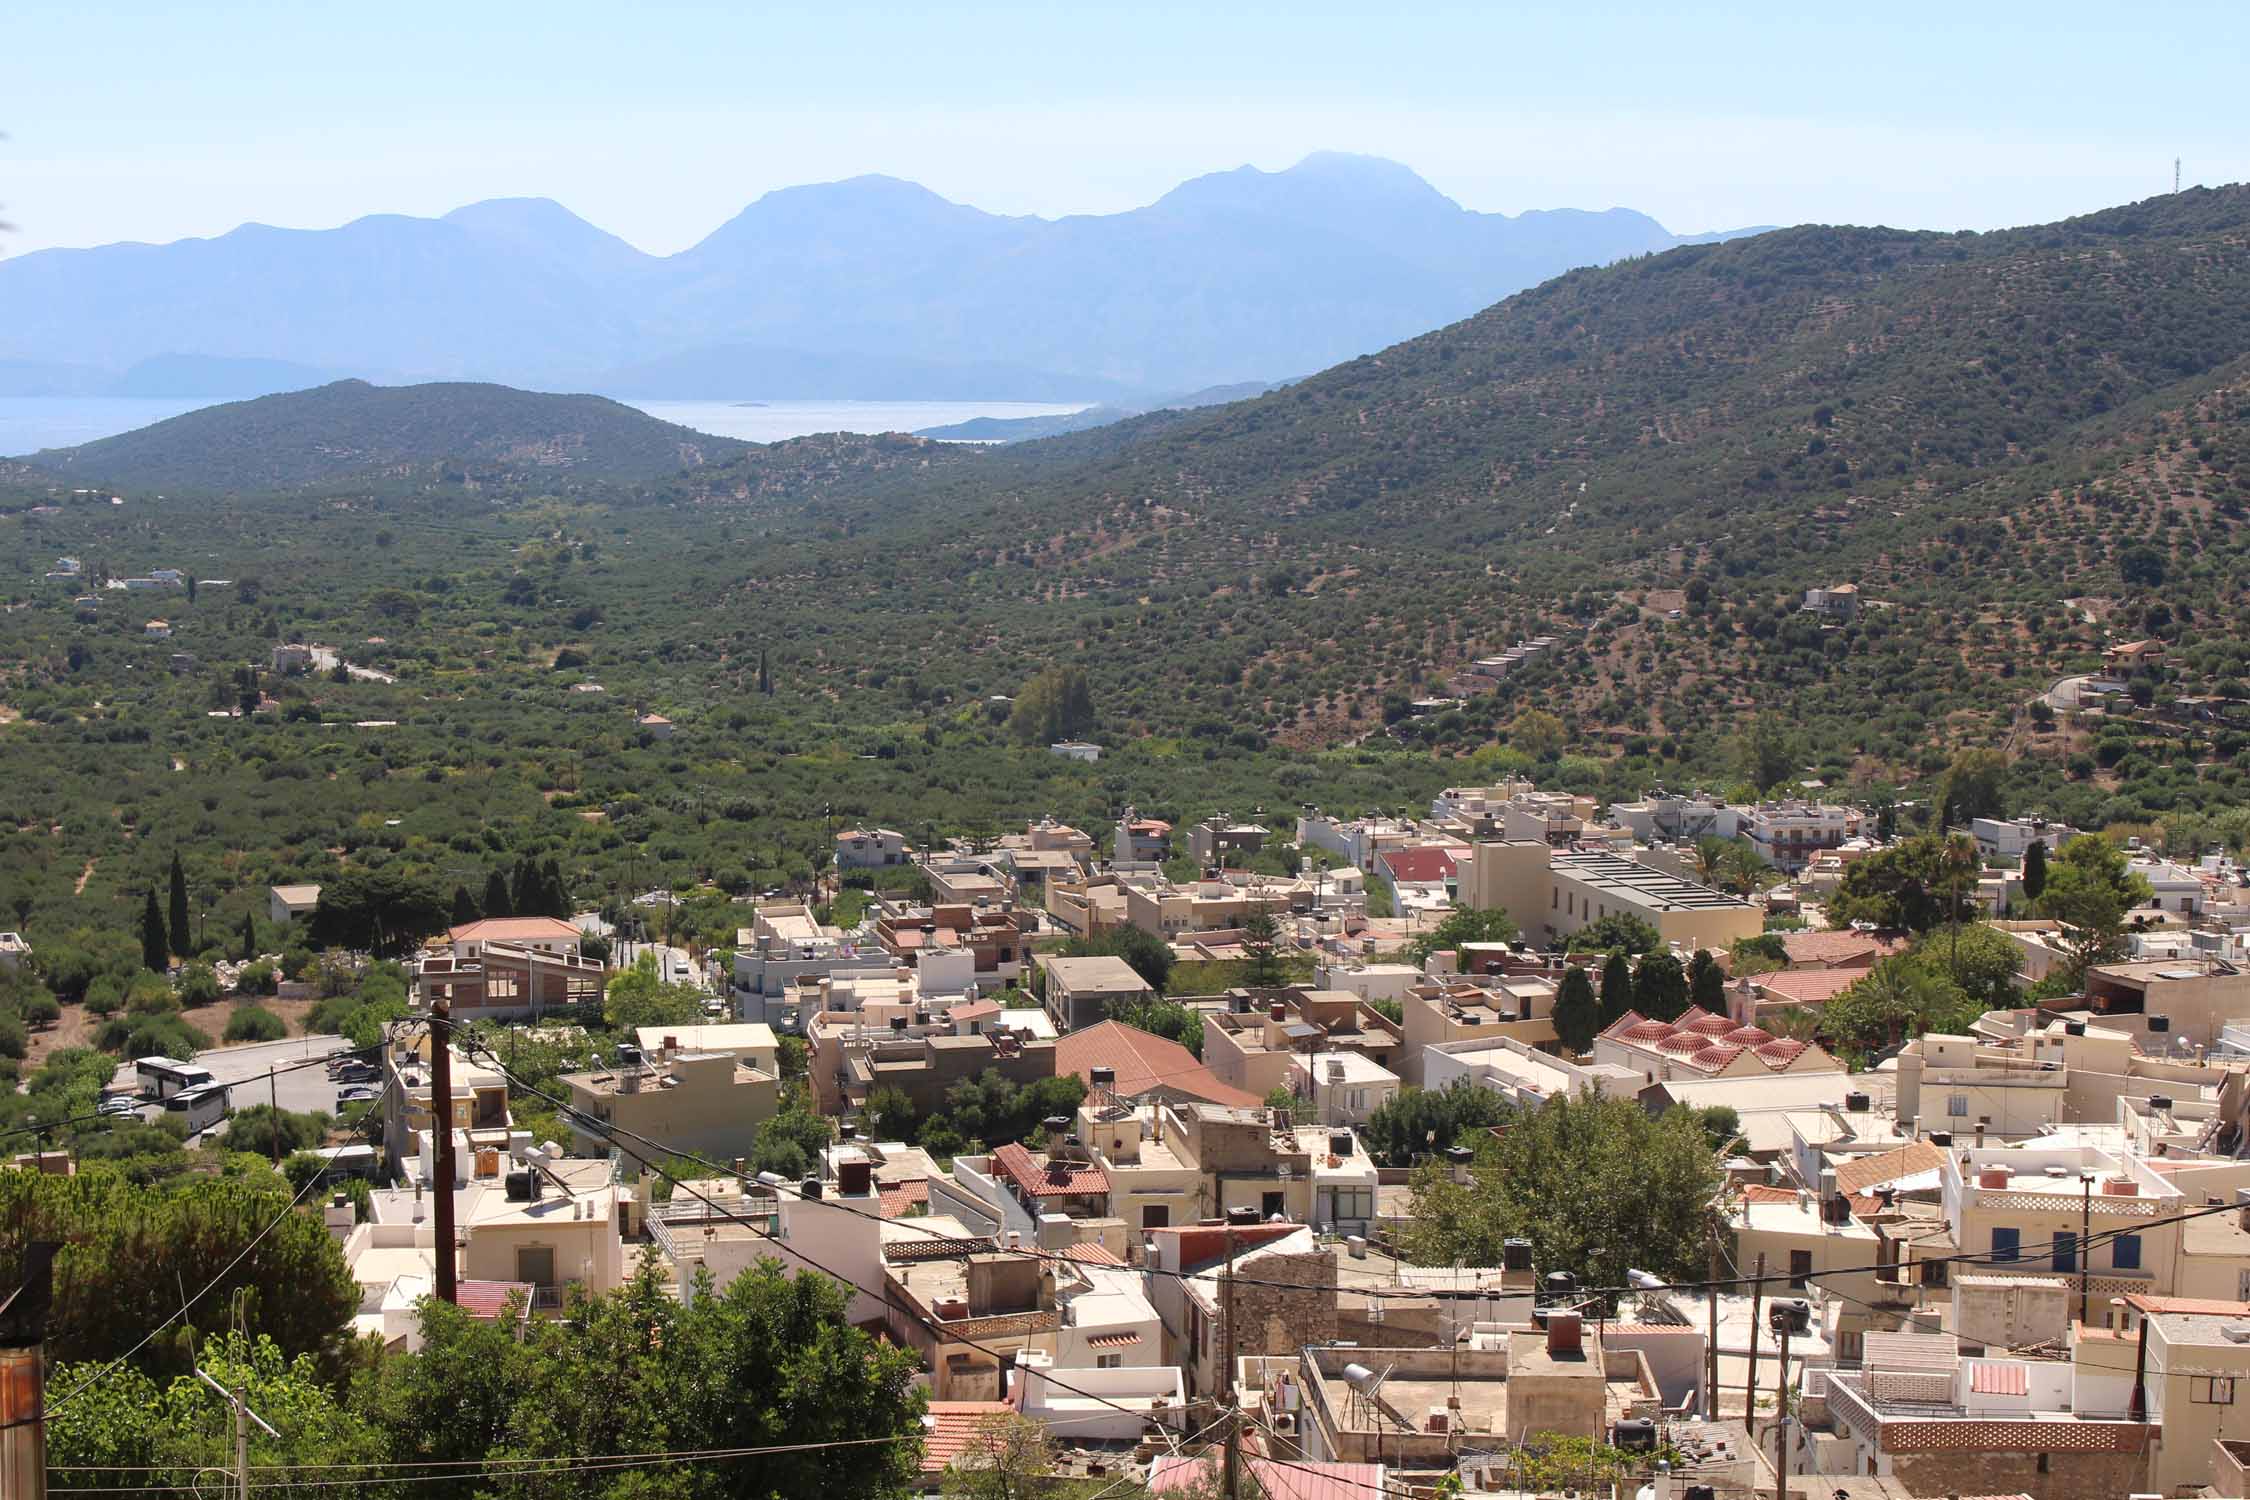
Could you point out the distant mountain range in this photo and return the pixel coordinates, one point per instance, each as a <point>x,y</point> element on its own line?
<point>872,288</point>
<point>350,430</point>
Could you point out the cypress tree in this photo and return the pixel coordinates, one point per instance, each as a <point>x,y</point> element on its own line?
<point>182,937</point>
<point>526,902</point>
<point>464,905</point>
<point>497,901</point>
<point>249,936</point>
<point>1577,1013</point>
<point>1707,983</point>
<point>1617,986</point>
<point>154,952</point>
<point>2035,869</point>
<point>765,678</point>
<point>551,887</point>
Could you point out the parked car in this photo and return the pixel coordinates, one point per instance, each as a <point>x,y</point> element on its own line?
<point>358,1093</point>
<point>357,1072</point>
<point>119,1104</point>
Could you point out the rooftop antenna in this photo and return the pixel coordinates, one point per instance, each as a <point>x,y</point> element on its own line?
<point>2175,174</point>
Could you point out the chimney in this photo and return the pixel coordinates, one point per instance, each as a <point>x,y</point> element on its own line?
<point>1562,1334</point>
<point>854,1178</point>
<point>1277,1011</point>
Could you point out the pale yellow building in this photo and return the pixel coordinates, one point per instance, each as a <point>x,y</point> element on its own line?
<point>1553,894</point>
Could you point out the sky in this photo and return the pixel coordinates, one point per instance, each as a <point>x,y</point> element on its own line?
<point>658,121</point>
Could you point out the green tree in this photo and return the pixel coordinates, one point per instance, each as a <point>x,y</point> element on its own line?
<point>1596,1184</point>
<point>1261,949</point>
<point>1910,885</point>
<point>183,936</point>
<point>637,997</point>
<point>1578,1014</point>
<point>1057,704</point>
<point>1899,998</point>
<point>1160,1017</point>
<point>1981,959</point>
<point>1765,753</point>
<point>1970,787</point>
<point>1707,982</point>
<point>1660,986</point>
<point>2035,870</point>
<point>1414,1123</point>
<point>249,937</point>
<point>1620,930</point>
<point>891,1115</point>
<point>1537,733</point>
<point>129,1249</point>
<point>274,1133</point>
<point>155,942</point>
<point>1006,1457</point>
<point>1149,955</point>
<point>791,1142</point>
<point>2090,888</point>
<point>464,906</point>
<point>384,911</point>
<point>174,1431</point>
<point>497,901</point>
<point>1617,986</point>
<point>1463,926</point>
<point>770,1362</point>
<point>253,1023</point>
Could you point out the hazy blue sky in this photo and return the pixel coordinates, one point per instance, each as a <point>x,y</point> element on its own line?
<point>659,120</point>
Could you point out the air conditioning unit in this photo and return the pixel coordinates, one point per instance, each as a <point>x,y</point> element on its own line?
<point>1284,1423</point>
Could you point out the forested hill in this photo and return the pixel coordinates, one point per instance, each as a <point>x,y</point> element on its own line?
<point>1950,419</point>
<point>353,431</point>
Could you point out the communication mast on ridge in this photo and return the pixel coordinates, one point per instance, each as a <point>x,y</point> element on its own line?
<point>2175,174</point>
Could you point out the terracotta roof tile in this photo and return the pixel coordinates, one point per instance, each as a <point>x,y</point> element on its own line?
<point>1143,1063</point>
<point>1864,1172</point>
<point>1806,986</point>
<point>1091,1253</point>
<point>951,1425</point>
<point>1048,1179</point>
<point>898,1199</point>
<point>1426,865</point>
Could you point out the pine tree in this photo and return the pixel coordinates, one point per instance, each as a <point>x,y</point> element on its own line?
<point>155,956</point>
<point>249,936</point>
<point>1577,1013</point>
<point>182,943</point>
<point>1617,986</point>
<point>464,906</point>
<point>2035,869</point>
<point>497,901</point>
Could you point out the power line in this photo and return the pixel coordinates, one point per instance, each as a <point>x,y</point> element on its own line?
<point>607,1128</point>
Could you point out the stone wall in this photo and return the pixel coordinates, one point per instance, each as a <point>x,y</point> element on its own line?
<point>1281,1319</point>
<point>2067,1476</point>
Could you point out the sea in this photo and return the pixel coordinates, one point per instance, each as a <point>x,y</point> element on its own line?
<point>30,423</point>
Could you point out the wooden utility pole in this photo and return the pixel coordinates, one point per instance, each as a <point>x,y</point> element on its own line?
<point>2085,1233</point>
<point>441,1122</point>
<point>23,1376</point>
<point>1711,1347</point>
<point>273,1102</point>
<point>1750,1381</point>
<point>1233,1475</point>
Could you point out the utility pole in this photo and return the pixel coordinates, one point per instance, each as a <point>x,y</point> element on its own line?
<point>243,1417</point>
<point>23,1376</point>
<point>273,1102</point>
<point>2085,1233</point>
<point>441,1122</point>
<point>1750,1382</point>
<point>1711,1346</point>
<point>1780,1417</point>
<point>1233,1477</point>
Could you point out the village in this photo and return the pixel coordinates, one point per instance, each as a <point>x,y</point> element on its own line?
<point>2016,1253</point>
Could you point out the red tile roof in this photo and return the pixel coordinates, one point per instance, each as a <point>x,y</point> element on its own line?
<point>1864,1172</point>
<point>1806,986</point>
<point>1048,1179</point>
<point>1293,1480</point>
<point>1430,864</point>
<point>515,930</point>
<point>951,1425</point>
<point>975,1010</point>
<point>898,1199</point>
<point>1144,1062</point>
<point>1703,1041</point>
<point>2206,1306</point>
<point>1114,1340</point>
<point>1829,950</point>
<point>489,1299</point>
<point>1205,1245</point>
<point>1092,1253</point>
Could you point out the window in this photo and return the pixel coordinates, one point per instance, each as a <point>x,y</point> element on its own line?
<point>1354,1203</point>
<point>1957,1105</point>
<point>1156,1215</point>
<point>2006,1243</point>
<point>1108,1361</point>
<point>2125,1253</point>
<point>2066,1250</point>
<point>1270,1206</point>
<point>2211,1390</point>
<point>1800,1267</point>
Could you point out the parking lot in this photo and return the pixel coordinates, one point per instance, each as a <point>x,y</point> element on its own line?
<point>302,1089</point>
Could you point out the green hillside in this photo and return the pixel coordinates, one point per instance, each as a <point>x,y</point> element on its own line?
<point>350,431</point>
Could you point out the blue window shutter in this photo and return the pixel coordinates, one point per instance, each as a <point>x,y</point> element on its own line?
<point>2005,1243</point>
<point>2125,1253</point>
